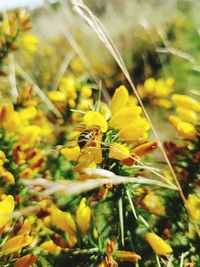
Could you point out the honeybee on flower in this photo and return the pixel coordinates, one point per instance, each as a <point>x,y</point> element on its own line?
<point>124,123</point>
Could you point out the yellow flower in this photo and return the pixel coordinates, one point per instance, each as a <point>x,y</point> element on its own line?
<point>85,92</point>
<point>119,99</point>
<point>27,173</point>
<point>186,102</point>
<point>186,130</point>
<point>27,114</point>
<point>63,220</point>
<point>102,264</point>
<point>72,153</point>
<point>83,216</point>
<point>26,261</point>
<point>187,115</point>
<point>153,204</point>
<point>134,131</point>
<point>145,148</point>
<point>6,111</point>
<point>161,89</point>
<point>6,208</point>
<point>2,157</point>
<point>68,86</point>
<point>93,118</point>
<point>174,120</point>
<point>118,151</point>
<point>132,101</point>
<point>163,103</point>
<point>125,116</point>
<point>77,65</point>
<point>50,247</point>
<point>26,227</point>
<point>170,81</point>
<point>159,246</point>
<point>193,202</point>
<point>9,118</point>
<point>16,243</point>
<point>149,85</point>
<point>57,96</point>
<point>30,135</point>
<point>7,176</point>
<point>29,42</point>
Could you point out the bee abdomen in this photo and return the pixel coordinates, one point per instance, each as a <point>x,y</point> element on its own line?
<point>84,137</point>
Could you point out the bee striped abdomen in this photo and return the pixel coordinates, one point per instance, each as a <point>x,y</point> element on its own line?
<point>85,137</point>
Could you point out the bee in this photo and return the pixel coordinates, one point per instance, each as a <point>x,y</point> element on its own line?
<point>88,137</point>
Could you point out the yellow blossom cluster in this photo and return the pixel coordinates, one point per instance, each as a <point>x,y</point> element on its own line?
<point>187,116</point>
<point>157,92</point>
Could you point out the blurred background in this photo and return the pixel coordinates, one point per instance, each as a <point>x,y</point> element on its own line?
<point>155,38</point>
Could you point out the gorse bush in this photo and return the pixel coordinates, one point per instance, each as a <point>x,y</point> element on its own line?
<point>85,178</point>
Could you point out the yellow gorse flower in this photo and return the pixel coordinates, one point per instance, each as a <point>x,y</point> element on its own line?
<point>187,115</point>
<point>185,129</point>
<point>71,153</point>
<point>83,216</point>
<point>50,247</point>
<point>193,202</point>
<point>128,120</point>
<point>6,208</point>
<point>16,243</point>
<point>186,102</point>
<point>119,99</point>
<point>26,261</point>
<point>153,203</point>
<point>187,109</point>
<point>118,151</point>
<point>63,221</point>
<point>157,91</point>
<point>159,246</point>
<point>125,116</point>
<point>93,118</point>
<point>29,42</point>
<point>9,118</point>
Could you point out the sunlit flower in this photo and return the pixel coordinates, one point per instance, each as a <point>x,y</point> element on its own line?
<point>187,115</point>
<point>193,202</point>
<point>71,153</point>
<point>63,220</point>
<point>83,216</point>
<point>50,247</point>
<point>159,246</point>
<point>26,261</point>
<point>85,92</point>
<point>134,131</point>
<point>119,99</point>
<point>186,102</point>
<point>157,91</point>
<point>118,151</point>
<point>185,129</point>
<point>9,118</point>
<point>153,203</point>
<point>125,116</point>
<point>16,243</point>
<point>93,118</point>
<point>29,42</point>
<point>6,208</point>
<point>128,120</point>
